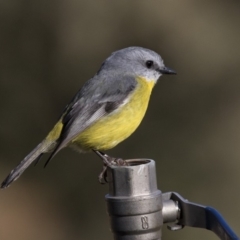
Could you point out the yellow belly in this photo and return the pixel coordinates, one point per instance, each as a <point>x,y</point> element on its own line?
<point>120,124</point>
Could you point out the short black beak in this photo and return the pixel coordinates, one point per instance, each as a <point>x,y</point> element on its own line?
<point>166,70</point>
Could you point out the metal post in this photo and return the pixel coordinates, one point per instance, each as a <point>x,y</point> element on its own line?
<point>134,202</point>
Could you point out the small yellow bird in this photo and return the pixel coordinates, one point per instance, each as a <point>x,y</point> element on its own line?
<point>106,110</point>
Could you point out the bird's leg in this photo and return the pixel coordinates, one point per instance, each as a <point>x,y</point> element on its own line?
<point>108,161</point>
<point>102,178</point>
<point>104,157</point>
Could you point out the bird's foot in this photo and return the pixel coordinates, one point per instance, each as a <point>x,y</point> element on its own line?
<point>102,177</point>
<point>115,161</point>
<point>108,161</point>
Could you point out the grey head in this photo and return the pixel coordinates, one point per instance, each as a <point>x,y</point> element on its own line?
<point>136,61</point>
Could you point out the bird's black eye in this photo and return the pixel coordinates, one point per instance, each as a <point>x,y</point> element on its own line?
<point>149,64</point>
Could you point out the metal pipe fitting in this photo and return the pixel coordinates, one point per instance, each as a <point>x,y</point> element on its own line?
<point>134,202</point>
<point>137,209</point>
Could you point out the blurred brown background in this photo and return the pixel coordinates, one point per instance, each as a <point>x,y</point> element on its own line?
<point>192,127</point>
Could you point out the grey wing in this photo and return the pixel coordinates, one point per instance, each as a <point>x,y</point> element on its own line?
<point>98,97</point>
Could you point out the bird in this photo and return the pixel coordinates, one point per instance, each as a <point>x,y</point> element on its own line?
<point>106,110</point>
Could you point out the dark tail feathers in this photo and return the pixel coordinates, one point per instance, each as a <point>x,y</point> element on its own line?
<point>35,154</point>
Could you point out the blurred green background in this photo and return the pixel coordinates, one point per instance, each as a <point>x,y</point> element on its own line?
<point>48,49</point>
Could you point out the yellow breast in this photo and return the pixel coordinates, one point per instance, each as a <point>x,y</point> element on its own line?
<point>120,124</point>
